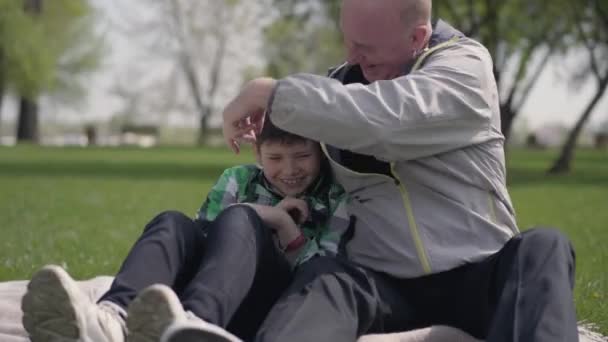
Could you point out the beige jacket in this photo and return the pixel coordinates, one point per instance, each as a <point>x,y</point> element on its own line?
<point>444,202</point>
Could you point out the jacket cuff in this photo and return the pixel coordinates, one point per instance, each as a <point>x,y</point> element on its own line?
<point>271,99</point>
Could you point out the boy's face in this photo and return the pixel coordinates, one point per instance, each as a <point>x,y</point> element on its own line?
<point>290,168</point>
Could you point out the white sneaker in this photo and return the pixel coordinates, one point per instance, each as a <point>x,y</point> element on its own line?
<point>55,309</point>
<point>157,311</point>
<point>151,313</point>
<point>197,330</point>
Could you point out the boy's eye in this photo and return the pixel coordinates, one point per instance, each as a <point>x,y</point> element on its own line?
<point>274,158</point>
<point>302,156</point>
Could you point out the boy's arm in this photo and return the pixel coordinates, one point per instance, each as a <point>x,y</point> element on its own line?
<point>224,193</point>
<point>332,228</point>
<point>290,237</point>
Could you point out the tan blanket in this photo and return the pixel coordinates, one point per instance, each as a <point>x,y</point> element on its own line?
<point>11,329</point>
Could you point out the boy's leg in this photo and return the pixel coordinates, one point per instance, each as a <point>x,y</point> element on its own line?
<point>241,275</point>
<point>56,308</point>
<point>536,273</point>
<point>168,252</point>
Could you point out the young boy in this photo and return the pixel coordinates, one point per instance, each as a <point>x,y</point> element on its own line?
<point>224,269</point>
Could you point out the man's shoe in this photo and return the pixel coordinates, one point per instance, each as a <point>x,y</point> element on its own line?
<point>151,313</point>
<point>197,330</point>
<point>55,309</point>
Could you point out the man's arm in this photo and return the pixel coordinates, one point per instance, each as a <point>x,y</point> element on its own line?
<point>450,103</point>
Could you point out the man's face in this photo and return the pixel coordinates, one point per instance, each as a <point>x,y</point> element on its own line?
<point>376,37</point>
<point>290,168</point>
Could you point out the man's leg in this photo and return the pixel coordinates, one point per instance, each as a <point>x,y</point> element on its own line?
<point>521,293</point>
<point>535,277</point>
<point>332,300</point>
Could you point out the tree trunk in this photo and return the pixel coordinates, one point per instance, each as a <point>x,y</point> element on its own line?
<point>564,161</point>
<point>507,117</point>
<point>1,101</point>
<point>204,126</point>
<point>33,6</point>
<point>27,125</point>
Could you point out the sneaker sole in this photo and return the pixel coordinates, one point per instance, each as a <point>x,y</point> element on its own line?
<point>49,314</point>
<point>197,332</point>
<point>151,313</point>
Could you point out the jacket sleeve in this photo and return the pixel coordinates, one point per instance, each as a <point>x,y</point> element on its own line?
<point>450,103</point>
<point>223,193</point>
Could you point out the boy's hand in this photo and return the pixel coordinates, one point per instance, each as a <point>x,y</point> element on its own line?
<point>296,208</point>
<point>279,220</point>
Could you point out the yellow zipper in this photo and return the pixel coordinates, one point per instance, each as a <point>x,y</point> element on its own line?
<point>427,52</point>
<point>406,204</point>
<point>424,260</point>
<point>492,208</point>
<point>422,255</point>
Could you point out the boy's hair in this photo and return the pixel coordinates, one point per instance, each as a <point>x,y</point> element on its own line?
<point>271,133</point>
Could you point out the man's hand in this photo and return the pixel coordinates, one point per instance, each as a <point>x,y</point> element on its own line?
<point>244,116</point>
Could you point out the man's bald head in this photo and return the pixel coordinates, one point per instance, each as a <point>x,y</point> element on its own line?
<point>412,12</point>
<point>416,12</point>
<point>382,36</point>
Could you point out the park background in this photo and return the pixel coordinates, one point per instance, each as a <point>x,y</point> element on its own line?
<point>110,113</point>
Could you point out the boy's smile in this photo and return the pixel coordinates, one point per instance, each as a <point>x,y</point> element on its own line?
<point>290,168</point>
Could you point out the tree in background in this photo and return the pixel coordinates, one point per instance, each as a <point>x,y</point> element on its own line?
<point>44,47</point>
<point>520,46</point>
<point>196,39</point>
<point>591,21</point>
<point>304,37</point>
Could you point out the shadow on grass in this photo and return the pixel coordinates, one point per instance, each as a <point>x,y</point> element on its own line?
<point>123,170</point>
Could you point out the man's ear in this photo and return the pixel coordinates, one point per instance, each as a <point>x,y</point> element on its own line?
<point>419,37</point>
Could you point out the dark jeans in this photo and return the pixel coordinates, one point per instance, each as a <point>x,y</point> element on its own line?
<point>522,293</point>
<point>235,275</point>
<point>229,273</point>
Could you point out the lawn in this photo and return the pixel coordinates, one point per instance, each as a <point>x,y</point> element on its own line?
<point>83,208</point>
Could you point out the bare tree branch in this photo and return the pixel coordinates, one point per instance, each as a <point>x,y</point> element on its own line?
<point>589,45</point>
<point>525,93</point>
<point>185,58</point>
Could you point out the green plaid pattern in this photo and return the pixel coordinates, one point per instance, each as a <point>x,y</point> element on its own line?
<point>327,220</point>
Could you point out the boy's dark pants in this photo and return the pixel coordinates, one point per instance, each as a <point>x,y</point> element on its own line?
<point>522,293</point>
<point>212,269</point>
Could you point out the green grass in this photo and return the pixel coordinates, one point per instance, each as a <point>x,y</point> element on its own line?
<point>577,204</point>
<point>84,208</point>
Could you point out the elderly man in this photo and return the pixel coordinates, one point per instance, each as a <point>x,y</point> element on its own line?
<point>411,125</point>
